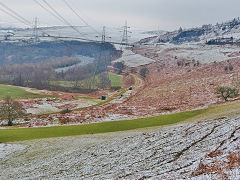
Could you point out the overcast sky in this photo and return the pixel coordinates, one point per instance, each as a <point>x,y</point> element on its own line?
<point>140,14</point>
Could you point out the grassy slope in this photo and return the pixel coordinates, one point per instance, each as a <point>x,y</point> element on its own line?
<point>10,135</point>
<point>116,81</point>
<point>17,93</point>
<point>230,109</point>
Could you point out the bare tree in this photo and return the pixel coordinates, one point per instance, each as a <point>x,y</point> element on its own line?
<point>10,110</point>
<point>104,81</point>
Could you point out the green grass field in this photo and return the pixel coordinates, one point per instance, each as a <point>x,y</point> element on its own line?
<point>11,135</point>
<point>19,134</point>
<point>116,81</point>
<point>17,93</point>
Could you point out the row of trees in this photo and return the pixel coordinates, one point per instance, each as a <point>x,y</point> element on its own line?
<point>120,66</point>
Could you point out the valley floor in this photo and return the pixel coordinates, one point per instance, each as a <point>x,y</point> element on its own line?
<point>207,148</point>
<point>196,150</point>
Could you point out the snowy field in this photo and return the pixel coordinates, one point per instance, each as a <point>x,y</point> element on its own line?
<point>182,151</point>
<point>131,59</point>
<point>50,105</point>
<point>199,52</point>
<point>46,105</point>
<point>7,149</point>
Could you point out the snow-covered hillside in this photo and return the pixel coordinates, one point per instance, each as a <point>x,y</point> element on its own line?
<point>202,34</point>
<point>199,150</point>
<point>131,59</point>
<point>112,34</point>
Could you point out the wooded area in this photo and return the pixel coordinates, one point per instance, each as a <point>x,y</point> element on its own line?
<point>35,65</point>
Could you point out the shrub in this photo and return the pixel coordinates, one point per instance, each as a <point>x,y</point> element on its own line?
<point>144,72</point>
<point>228,68</point>
<point>227,92</point>
<point>120,66</point>
<point>179,63</point>
<point>65,111</point>
<point>234,159</point>
<point>64,120</point>
<point>133,70</point>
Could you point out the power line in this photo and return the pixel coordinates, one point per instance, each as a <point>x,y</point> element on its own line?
<point>35,32</point>
<point>74,11</point>
<point>26,22</point>
<point>61,17</point>
<point>15,17</point>
<point>18,16</point>
<point>104,34</point>
<point>125,35</point>
<point>104,37</point>
<point>46,9</point>
<point>55,14</point>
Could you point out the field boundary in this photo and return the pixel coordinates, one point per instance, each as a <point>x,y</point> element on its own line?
<point>21,134</point>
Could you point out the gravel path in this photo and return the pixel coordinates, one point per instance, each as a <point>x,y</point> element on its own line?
<point>175,152</point>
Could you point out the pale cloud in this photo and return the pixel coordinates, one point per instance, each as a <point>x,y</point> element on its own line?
<point>141,14</point>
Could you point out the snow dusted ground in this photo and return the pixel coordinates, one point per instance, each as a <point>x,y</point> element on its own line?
<point>182,151</point>
<point>36,91</point>
<point>199,52</point>
<point>59,105</point>
<point>131,59</point>
<point>112,34</point>
<point>46,105</point>
<point>7,149</point>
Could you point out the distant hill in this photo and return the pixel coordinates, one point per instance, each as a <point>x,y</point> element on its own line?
<point>229,29</point>
<point>113,34</point>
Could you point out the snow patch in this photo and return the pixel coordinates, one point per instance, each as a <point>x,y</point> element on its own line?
<point>7,149</point>
<point>131,59</point>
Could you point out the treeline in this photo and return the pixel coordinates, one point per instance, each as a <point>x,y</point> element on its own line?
<point>40,75</point>
<point>13,53</point>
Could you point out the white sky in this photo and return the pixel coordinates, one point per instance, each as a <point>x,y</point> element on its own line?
<point>140,14</point>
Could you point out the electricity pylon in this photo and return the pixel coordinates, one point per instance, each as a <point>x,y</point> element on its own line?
<point>35,31</point>
<point>125,34</point>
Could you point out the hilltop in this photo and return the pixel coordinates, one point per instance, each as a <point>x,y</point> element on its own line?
<point>229,29</point>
